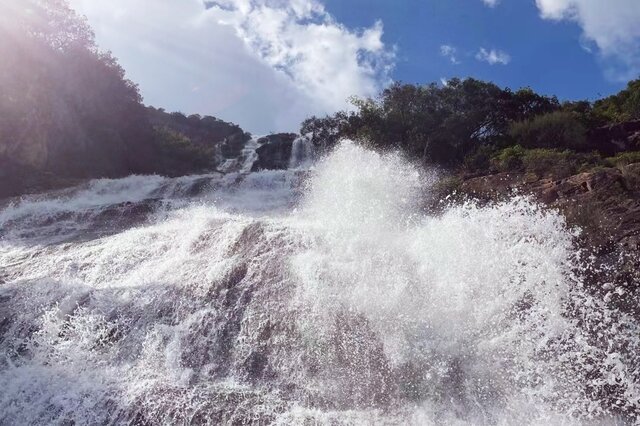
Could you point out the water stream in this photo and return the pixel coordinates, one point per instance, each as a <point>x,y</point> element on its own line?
<point>323,294</point>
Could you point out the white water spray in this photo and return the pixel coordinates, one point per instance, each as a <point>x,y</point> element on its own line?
<point>289,297</point>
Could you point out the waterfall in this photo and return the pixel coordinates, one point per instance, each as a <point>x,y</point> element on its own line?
<point>245,161</point>
<point>322,296</point>
<point>301,153</point>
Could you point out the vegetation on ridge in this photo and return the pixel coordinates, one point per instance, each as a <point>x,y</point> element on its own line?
<point>68,112</point>
<point>477,126</point>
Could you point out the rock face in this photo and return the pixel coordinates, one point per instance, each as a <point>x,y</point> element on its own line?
<point>48,159</point>
<point>17,179</point>
<point>274,152</point>
<point>604,204</point>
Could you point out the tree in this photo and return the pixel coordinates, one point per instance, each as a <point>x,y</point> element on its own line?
<point>325,132</point>
<point>65,107</point>
<point>623,106</point>
<point>439,124</point>
<point>51,22</point>
<point>558,129</point>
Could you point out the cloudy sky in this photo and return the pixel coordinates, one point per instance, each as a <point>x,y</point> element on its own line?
<point>268,64</point>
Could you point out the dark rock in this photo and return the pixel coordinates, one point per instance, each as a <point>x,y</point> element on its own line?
<point>127,214</point>
<point>198,187</point>
<point>232,146</point>
<point>631,176</point>
<point>492,186</point>
<point>274,152</point>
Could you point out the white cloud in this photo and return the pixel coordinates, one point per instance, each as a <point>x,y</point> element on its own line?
<point>449,52</point>
<point>321,56</point>
<point>265,64</point>
<point>493,56</point>
<point>613,26</point>
<point>491,3</point>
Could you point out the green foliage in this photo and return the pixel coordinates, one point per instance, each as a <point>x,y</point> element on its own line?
<point>439,124</point>
<point>550,162</point>
<point>623,106</point>
<point>325,132</point>
<point>65,107</point>
<point>202,131</point>
<point>177,154</point>
<point>558,129</point>
<point>509,159</point>
<point>465,122</point>
<point>544,162</point>
<point>624,159</point>
<point>480,159</point>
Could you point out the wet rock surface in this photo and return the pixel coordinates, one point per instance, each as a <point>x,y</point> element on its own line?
<point>604,204</point>
<point>274,152</point>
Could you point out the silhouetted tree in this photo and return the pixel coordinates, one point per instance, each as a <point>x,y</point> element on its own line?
<point>66,107</point>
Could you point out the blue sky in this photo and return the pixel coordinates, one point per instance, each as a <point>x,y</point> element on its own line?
<point>546,55</point>
<point>268,64</point>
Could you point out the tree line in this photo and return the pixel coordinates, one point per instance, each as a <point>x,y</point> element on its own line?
<point>468,123</point>
<point>67,110</point>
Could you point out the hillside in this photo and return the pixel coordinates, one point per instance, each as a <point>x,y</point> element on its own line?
<point>68,113</point>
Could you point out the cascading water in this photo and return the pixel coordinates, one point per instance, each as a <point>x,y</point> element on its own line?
<point>301,153</point>
<point>293,297</point>
<point>245,161</point>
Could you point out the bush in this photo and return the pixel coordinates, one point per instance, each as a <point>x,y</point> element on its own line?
<point>480,159</point>
<point>560,129</point>
<point>545,162</point>
<point>549,162</point>
<point>509,159</point>
<point>624,159</point>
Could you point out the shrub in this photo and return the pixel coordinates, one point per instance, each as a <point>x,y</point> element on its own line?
<point>624,159</point>
<point>480,159</point>
<point>545,162</point>
<point>509,159</point>
<point>589,162</point>
<point>549,162</point>
<point>560,129</point>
